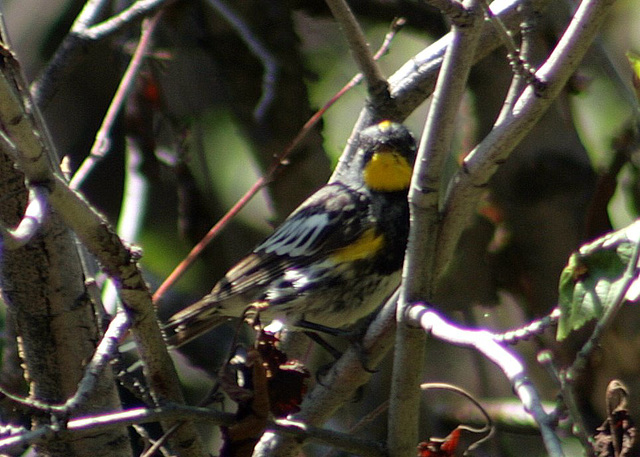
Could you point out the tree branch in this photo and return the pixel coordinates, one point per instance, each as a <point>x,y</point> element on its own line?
<point>103,354</point>
<point>339,384</point>
<point>414,82</point>
<point>484,342</point>
<point>258,49</point>
<point>377,85</point>
<point>31,222</point>
<point>79,427</point>
<point>480,165</point>
<point>43,282</point>
<point>82,34</point>
<point>25,127</point>
<point>102,144</point>
<point>418,278</point>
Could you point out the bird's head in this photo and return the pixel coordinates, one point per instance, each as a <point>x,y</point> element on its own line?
<point>389,153</point>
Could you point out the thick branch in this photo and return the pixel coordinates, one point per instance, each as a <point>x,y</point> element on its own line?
<point>480,165</point>
<point>418,276</point>
<point>414,82</point>
<point>26,130</point>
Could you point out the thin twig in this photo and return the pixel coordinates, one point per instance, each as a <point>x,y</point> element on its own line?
<point>578,425</point>
<point>276,166</point>
<point>104,353</point>
<point>519,64</point>
<point>377,85</point>
<point>258,49</point>
<point>536,327</point>
<point>23,124</point>
<point>82,33</point>
<point>481,163</point>
<point>483,341</point>
<point>99,423</point>
<point>396,25</point>
<point>159,443</point>
<point>523,72</point>
<point>129,16</point>
<point>211,234</point>
<point>102,143</point>
<point>487,427</point>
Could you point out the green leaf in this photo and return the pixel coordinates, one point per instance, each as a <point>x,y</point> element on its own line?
<point>595,277</point>
<point>634,61</point>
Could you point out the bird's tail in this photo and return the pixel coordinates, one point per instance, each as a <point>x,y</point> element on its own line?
<point>192,322</point>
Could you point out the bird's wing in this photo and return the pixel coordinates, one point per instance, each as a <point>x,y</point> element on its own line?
<point>331,219</point>
<point>329,222</point>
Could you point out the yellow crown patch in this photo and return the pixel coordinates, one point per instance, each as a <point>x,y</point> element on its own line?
<point>387,171</point>
<point>385,126</point>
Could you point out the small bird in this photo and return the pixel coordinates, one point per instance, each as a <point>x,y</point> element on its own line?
<point>333,260</point>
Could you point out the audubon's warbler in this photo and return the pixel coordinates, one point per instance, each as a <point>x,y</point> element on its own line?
<point>334,259</point>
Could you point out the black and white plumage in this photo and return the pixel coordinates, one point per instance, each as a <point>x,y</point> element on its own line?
<point>333,260</point>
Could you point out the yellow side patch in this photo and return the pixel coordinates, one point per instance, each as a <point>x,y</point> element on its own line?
<point>387,171</point>
<point>367,245</point>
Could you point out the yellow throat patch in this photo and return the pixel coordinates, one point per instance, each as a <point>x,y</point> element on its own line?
<point>387,171</point>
